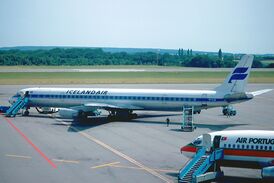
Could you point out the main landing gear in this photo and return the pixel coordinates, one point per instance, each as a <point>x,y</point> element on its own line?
<point>26,112</point>
<point>229,111</point>
<point>115,115</point>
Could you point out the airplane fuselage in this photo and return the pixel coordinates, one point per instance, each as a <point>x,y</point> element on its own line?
<point>143,99</point>
<point>254,148</point>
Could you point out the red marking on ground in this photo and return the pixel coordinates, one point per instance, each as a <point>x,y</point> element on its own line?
<point>32,144</point>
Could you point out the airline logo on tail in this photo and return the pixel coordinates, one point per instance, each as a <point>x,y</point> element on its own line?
<point>238,74</point>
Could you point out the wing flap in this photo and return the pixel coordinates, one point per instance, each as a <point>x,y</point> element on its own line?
<point>111,106</point>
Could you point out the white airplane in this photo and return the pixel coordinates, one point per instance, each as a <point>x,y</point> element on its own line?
<point>242,148</point>
<point>82,102</point>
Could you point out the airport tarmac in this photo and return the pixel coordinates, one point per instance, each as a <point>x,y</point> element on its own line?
<point>43,148</point>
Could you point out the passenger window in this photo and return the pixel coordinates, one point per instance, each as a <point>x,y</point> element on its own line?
<point>247,146</point>
<point>270,147</point>
<point>262,148</point>
<point>229,145</point>
<point>243,146</point>
<point>224,145</point>
<point>265,147</point>
<point>257,147</point>
<point>238,146</point>
<point>252,147</point>
<point>233,145</point>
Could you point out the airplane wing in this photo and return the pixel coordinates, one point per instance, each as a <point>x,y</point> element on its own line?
<point>76,111</point>
<point>95,106</point>
<point>259,92</point>
<point>110,106</point>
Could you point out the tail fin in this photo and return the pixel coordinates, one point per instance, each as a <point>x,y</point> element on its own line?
<point>237,79</point>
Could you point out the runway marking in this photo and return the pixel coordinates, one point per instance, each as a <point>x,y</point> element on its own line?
<point>18,156</point>
<point>30,142</point>
<point>118,153</point>
<point>138,168</point>
<point>104,165</point>
<point>65,161</point>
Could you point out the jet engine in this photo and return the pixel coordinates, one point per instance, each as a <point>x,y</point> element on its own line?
<point>268,172</point>
<point>68,113</point>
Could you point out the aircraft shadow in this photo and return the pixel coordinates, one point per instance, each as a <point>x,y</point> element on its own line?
<point>231,179</point>
<point>213,127</point>
<point>236,179</point>
<point>34,116</point>
<point>97,121</point>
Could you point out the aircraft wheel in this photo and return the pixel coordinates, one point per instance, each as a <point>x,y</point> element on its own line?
<point>82,116</point>
<point>26,113</point>
<point>134,115</point>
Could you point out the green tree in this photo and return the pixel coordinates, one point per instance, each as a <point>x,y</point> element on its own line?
<point>220,54</point>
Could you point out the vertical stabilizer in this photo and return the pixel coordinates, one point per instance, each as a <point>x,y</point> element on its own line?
<point>236,81</point>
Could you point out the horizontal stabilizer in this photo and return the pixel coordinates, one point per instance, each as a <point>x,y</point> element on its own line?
<point>259,92</point>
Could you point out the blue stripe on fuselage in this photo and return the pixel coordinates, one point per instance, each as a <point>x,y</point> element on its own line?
<point>141,98</point>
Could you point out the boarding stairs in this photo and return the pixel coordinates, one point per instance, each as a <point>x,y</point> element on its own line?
<point>188,118</point>
<point>19,104</point>
<point>196,170</point>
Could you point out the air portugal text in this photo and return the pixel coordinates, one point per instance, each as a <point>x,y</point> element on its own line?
<point>255,140</point>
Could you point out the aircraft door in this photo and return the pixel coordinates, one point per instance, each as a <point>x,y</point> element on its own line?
<point>216,141</point>
<point>26,94</point>
<point>207,141</point>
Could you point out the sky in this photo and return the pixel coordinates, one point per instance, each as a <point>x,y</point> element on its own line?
<point>237,26</point>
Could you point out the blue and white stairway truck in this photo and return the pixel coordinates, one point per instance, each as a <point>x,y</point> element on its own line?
<point>205,164</point>
<point>21,103</point>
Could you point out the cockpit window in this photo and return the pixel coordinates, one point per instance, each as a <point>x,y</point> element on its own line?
<point>197,141</point>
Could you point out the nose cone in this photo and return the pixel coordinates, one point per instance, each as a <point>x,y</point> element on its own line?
<point>188,150</point>
<point>12,100</point>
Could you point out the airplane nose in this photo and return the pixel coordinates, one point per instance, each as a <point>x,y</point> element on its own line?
<point>188,150</point>
<point>184,149</point>
<point>12,100</point>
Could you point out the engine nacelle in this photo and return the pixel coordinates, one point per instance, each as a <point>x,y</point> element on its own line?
<point>68,113</point>
<point>268,172</point>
